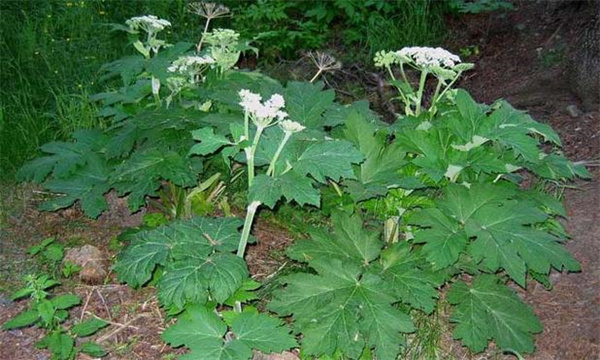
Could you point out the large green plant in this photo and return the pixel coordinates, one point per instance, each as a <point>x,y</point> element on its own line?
<point>446,176</point>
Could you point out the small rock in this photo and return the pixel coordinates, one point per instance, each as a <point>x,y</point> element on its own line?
<point>94,267</point>
<point>286,355</point>
<point>573,111</point>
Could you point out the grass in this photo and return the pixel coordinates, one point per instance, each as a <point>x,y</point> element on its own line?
<point>50,54</point>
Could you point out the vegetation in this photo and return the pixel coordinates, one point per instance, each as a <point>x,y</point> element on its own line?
<point>432,200</point>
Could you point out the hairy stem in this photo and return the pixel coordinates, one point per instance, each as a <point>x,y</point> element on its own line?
<point>250,154</point>
<point>250,212</point>
<point>271,169</point>
<point>420,92</point>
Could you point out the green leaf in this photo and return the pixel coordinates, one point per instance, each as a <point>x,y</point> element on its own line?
<point>209,141</point>
<point>54,252</point>
<point>65,157</point>
<point>142,174</point>
<point>46,311</point>
<point>245,293</point>
<point>379,170</point>
<point>262,332</point>
<point>347,305</point>
<point>60,344</point>
<point>88,327</point>
<point>21,293</point>
<point>352,310</point>
<point>413,281</point>
<point>328,159</point>
<point>350,241</point>
<point>196,255</point>
<point>502,227</point>
<point>291,185</point>
<point>88,186</point>
<point>306,103</point>
<point>25,318</point>
<point>193,279</point>
<point>93,349</point>
<point>490,310</point>
<point>66,301</point>
<point>443,238</point>
<point>201,330</point>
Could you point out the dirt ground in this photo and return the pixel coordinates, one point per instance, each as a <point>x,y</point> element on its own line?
<point>522,58</point>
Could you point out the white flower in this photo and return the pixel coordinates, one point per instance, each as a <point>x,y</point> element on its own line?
<point>262,114</point>
<point>291,127</point>
<point>191,65</point>
<point>148,23</point>
<point>429,57</point>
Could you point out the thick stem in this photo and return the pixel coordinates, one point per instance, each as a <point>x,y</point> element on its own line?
<point>271,169</point>
<point>420,93</point>
<point>250,154</point>
<point>250,212</point>
<point>434,99</point>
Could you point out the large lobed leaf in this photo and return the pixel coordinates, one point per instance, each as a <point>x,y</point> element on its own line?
<point>201,330</point>
<point>493,225</point>
<point>197,258</point>
<point>349,304</point>
<point>488,310</point>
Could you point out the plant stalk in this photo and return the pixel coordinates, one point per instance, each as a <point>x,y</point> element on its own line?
<point>420,93</point>
<point>271,169</point>
<point>250,212</point>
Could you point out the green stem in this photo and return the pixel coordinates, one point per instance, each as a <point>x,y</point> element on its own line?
<point>402,96</point>
<point>250,212</point>
<point>271,169</point>
<point>420,93</point>
<point>449,85</point>
<point>250,154</point>
<point>434,99</point>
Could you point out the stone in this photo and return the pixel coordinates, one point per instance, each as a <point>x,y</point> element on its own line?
<point>93,263</point>
<point>286,355</point>
<point>573,111</point>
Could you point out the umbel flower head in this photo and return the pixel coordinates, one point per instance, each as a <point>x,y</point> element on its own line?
<point>290,127</point>
<point>208,10</point>
<point>149,23</point>
<point>261,113</point>
<point>191,65</point>
<point>421,57</point>
<point>429,57</point>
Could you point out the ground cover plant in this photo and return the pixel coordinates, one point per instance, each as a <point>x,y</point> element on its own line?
<point>444,180</point>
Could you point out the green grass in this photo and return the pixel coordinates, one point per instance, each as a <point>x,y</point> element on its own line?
<point>50,55</point>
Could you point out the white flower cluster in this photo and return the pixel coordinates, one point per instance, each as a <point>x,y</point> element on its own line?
<point>190,64</point>
<point>262,114</point>
<point>424,57</point>
<point>290,127</point>
<point>429,57</point>
<point>222,38</point>
<point>149,23</point>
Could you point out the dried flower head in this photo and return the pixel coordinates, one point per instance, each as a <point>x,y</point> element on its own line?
<point>324,61</point>
<point>149,23</point>
<point>208,10</point>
